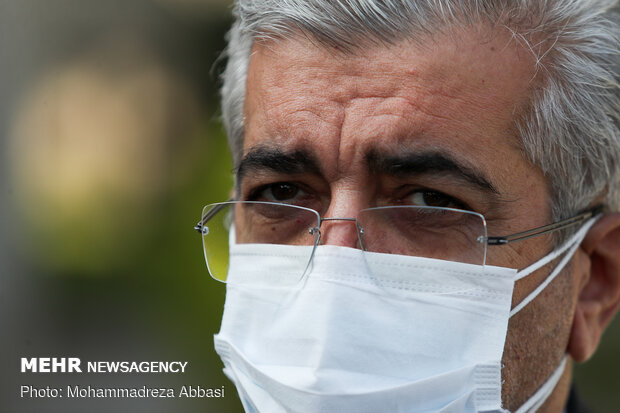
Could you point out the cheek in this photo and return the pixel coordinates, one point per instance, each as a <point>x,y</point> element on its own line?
<point>519,254</point>
<point>537,340</point>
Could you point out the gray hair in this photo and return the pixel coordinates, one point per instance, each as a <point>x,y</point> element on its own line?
<point>571,127</point>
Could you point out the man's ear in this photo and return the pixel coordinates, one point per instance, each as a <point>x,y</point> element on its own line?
<point>599,286</point>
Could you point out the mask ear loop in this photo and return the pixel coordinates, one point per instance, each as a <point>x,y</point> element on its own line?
<point>543,393</point>
<point>571,245</point>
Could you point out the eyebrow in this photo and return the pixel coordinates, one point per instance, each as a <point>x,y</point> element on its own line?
<point>301,161</point>
<point>274,159</point>
<point>426,163</point>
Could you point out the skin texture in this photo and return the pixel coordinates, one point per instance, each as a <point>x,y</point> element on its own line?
<point>457,95</point>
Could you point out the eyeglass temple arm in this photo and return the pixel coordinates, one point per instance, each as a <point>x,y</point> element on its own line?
<point>217,208</point>
<point>546,228</point>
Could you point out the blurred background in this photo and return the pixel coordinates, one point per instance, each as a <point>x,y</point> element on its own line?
<point>110,145</point>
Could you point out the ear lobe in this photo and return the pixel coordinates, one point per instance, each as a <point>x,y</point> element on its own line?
<point>599,289</point>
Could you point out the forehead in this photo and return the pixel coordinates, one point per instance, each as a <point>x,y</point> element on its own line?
<point>459,93</point>
<point>453,76</point>
<point>494,70</point>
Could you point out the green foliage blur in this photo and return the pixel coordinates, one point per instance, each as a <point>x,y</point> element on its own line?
<point>112,147</point>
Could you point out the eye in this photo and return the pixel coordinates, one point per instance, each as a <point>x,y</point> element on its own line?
<point>283,191</point>
<point>425,197</point>
<point>277,192</point>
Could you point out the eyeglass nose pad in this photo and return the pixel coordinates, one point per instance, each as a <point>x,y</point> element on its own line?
<point>360,236</point>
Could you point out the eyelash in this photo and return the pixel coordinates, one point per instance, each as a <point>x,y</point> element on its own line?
<point>255,193</point>
<point>458,204</point>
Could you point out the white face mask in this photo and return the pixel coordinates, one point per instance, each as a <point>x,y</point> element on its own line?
<point>411,335</point>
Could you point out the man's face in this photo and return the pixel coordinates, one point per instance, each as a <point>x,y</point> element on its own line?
<point>453,101</point>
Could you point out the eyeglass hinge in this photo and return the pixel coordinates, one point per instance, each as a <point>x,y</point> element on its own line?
<point>497,241</point>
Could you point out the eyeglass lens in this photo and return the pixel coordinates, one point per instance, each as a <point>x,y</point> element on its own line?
<point>255,223</point>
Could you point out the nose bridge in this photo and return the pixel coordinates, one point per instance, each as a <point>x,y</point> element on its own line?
<point>347,199</point>
<point>339,231</point>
